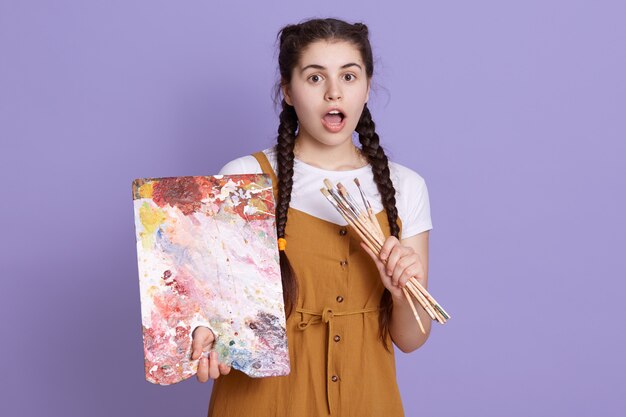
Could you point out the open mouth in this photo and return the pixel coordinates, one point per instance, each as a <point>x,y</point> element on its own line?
<point>334,118</point>
<point>334,121</point>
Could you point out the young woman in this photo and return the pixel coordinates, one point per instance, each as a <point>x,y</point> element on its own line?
<point>344,304</point>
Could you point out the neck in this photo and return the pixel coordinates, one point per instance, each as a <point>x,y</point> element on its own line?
<point>342,157</point>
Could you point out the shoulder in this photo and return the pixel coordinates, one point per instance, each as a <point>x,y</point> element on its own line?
<point>405,179</point>
<point>247,164</point>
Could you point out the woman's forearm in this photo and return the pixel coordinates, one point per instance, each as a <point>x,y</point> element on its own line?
<point>404,329</point>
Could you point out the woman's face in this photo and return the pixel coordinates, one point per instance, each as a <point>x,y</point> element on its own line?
<point>328,76</point>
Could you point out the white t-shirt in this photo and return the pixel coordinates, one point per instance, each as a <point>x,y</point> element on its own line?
<point>412,199</point>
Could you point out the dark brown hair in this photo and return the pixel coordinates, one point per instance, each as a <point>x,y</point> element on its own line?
<point>293,40</point>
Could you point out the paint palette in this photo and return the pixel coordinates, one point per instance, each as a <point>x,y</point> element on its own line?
<point>207,255</point>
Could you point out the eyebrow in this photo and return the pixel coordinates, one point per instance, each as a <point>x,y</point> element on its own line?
<point>351,64</point>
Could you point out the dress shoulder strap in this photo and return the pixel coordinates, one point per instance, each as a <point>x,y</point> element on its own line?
<point>267,169</point>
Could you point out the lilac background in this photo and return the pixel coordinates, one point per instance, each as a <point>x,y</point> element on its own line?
<point>512,112</point>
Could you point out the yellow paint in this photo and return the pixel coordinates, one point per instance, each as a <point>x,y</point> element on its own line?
<point>151,219</point>
<point>259,205</point>
<point>145,191</point>
<point>152,290</point>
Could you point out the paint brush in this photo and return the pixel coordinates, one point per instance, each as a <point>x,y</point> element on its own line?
<point>415,281</point>
<point>344,193</point>
<point>370,211</point>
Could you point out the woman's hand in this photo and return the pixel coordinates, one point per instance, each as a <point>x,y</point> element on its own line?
<point>396,265</point>
<point>203,338</point>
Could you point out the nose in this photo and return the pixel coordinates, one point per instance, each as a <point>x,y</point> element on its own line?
<point>333,92</point>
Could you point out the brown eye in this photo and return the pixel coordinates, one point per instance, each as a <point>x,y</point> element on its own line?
<point>314,76</point>
<point>351,77</point>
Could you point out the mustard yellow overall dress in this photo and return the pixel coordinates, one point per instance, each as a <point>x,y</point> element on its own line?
<point>339,366</point>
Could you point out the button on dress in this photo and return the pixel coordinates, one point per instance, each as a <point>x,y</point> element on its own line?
<point>339,366</point>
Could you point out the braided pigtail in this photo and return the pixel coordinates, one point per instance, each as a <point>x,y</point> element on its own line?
<point>285,158</point>
<point>375,154</point>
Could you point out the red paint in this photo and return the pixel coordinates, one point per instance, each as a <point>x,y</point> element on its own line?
<point>178,283</point>
<point>181,192</point>
<point>186,194</point>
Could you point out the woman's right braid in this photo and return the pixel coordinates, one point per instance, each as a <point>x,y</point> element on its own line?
<point>284,159</point>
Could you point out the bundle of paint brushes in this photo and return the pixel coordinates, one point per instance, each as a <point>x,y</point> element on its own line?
<point>365,223</point>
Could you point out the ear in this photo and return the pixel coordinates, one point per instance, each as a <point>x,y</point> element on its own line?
<point>287,94</point>
<point>367,95</point>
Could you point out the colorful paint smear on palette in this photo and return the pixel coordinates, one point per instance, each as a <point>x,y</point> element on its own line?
<point>207,255</point>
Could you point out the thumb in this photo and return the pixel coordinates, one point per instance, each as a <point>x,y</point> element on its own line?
<point>196,348</point>
<point>202,337</point>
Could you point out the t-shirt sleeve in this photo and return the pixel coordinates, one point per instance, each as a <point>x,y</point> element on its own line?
<point>244,165</point>
<point>417,205</point>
